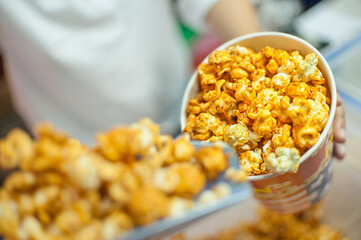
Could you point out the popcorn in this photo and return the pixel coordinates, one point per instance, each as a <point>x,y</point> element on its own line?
<point>191,179</point>
<point>298,89</point>
<point>246,64</point>
<point>281,105</point>
<point>147,205</point>
<point>308,71</point>
<point>271,225</point>
<point>244,93</point>
<point>183,150</point>
<point>300,110</point>
<point>264,123</point>
<point>261,83</point>
<point>116,223</point>
<point>216,192</point>
<point>133,176</point>
<point>237,135</point>
<point>179,206</point>
<point>212,160</point>
<point>272,66</point>
<point>260,101</point>
<point>16,147</point>
<point>282,57</point>
<point>288,68</point>
<point>305,136</point>
<point>283,137</point>
<point>251,160</point>
<point>222,104</point>
<point>235,175</point>
<point>284,160</point>
<point>280,80</point>
<point>320,111</point>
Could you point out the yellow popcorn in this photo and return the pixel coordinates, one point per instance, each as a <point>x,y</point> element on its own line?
<point>116,223</point>
<point>282,57</point>
<point>212,160</point>
<point>262,83</point>
<point>252,160</point>
<point>133,176</point>
<point>271,225</point>
<point>16,147</point>
<point>264,122</point>
<point>300,110</point>
<point>156,205</point>
<point>238,73</point>
<point>235,175</point>
<point>272,66</point>
<point>283,137</point>
<point>183,150</point>
<point>305,136</point>
<point>260,101</point>
<point>207,125</point>
<point>280,109</point>
<point>244,93</point>
<point>222,104</point>
<point>320,111</point>
<point>191,179</point>
<point>83,172</point>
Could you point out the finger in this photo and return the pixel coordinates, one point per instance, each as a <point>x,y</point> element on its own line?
<point>339,125</point>
<point>339,100</point>
<point>340,151</point>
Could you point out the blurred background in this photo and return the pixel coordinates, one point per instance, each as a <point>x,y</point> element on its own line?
<point>332,26</point>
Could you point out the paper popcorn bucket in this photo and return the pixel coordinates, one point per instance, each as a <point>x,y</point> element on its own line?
<point>289,192</point>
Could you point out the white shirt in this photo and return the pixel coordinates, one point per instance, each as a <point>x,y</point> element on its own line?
<point>87,65</point>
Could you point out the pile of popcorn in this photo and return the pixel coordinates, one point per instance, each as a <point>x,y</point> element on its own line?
<point>306,225</point>
<point>271,106</point>
<point>61,189</point>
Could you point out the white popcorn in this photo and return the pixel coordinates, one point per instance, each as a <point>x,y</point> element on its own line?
<point>237,134</point>
<point>165,180</point>
<point>308,69</point>
<point>208,196</point>
<point>284,160</point>
<point>180,206</point>
<point>281,80</point>
<point>222,190</point>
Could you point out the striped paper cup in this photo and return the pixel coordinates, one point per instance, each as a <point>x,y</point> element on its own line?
<point>289,192</point>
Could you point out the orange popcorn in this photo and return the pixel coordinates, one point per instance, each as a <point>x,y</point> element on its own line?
<point>260,101</point>
<point>298,89</point>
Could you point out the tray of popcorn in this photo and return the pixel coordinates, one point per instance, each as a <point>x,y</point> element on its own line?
<point>134,184</point>
<point>272,97</point>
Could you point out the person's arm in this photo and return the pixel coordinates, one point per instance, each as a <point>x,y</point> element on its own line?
<point>232,18</point>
